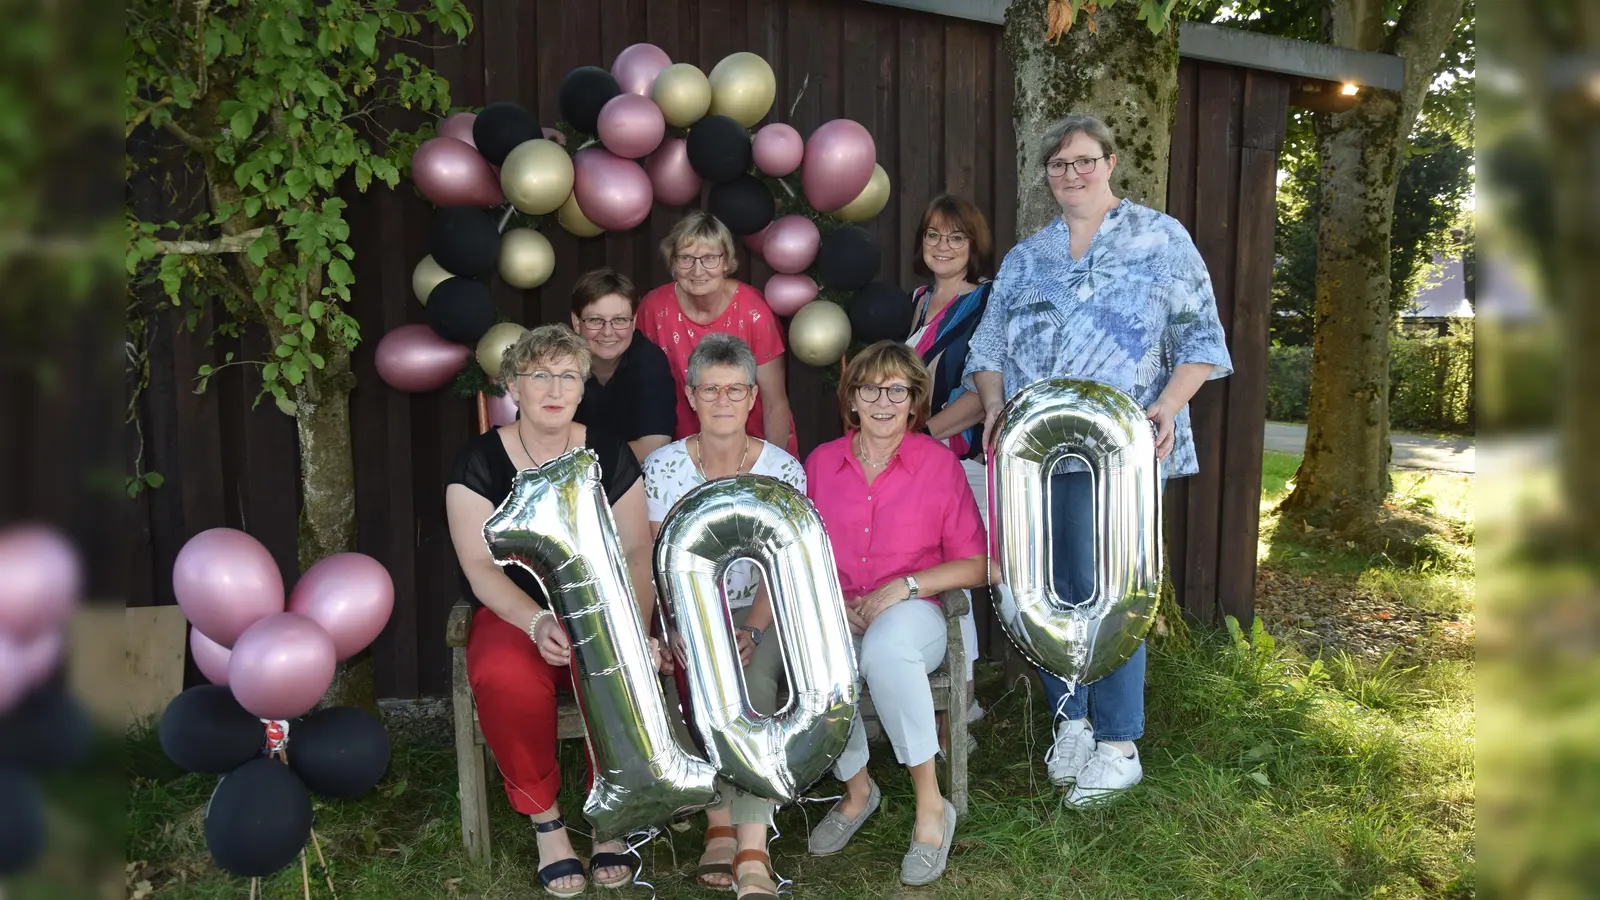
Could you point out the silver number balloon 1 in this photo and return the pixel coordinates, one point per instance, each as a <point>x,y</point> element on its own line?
<point>1044,423</point>
<point>557,524</point>
<point>762,519</point>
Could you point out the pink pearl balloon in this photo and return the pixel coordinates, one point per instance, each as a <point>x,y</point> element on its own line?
<point>673,181</point>
<point>838,164</point>
<point>414,358</point>
<point>459,126</point>
<point>452,173</point>
<point>786,294</point>
<point>637,66</point>
<point>226,581</point>
<point>350,595</point>
<point>791,244</point>
<point>756,241</point>
<point>210,657</point>
<point>631,126</point>
<point>281,666</point>
<point>502,409</point>
<point>615,193</point>
<point>778,149</point>
<point>41,580</point>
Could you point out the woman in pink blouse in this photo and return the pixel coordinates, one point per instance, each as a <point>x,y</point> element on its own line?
<point>904,528</point>
<point>702,299</point>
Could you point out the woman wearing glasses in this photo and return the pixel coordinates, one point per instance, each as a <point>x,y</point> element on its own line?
<point>517,652</point>
<point>904,528</point>
<point>703,299</point>
<point>722,390</point>
<point>629,389</point>
<point>1114,292</point>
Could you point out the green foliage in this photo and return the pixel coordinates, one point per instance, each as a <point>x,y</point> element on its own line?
<point>1431,382</point>
<point>1288,383</point>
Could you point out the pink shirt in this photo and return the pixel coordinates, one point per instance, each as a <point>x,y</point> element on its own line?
<point>917,514</point>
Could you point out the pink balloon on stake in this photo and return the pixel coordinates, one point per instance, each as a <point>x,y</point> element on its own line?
<point>452,173</point>
<point>637,66</point>
<point>225,581</point>
<point>281,666</point>
<point>838,164</point>
<point>631,126</point>
<point>672,180</point>
<point>787,294</point>
<point>459,126</point>
<point>791,243</point>
<point>210,657</point>
<point>614,193</point>
<point>414,358</point>
<point>41,579</point>
<point>778,149</point>
<point>350,595</point>
<point>502,409</point>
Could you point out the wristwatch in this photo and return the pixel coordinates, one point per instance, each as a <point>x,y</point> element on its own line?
<point>755,634</point>
<point>911,587</point>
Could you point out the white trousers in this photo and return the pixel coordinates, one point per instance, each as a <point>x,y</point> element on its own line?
<point>900,650</point>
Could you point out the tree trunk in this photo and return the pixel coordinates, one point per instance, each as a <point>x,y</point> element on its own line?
<point>1119,72</point>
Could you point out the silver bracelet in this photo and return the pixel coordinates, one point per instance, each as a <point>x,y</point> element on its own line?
<point>533,626</point>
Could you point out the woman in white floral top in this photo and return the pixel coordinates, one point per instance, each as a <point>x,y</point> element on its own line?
<point>721,385</point>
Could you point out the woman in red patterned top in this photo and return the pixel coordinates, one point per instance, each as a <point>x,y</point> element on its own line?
<point>701,299</point>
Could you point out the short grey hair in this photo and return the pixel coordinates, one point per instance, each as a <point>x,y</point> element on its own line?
<point>1063,130</point>
<point>717,349</point>
<point>545,344</point>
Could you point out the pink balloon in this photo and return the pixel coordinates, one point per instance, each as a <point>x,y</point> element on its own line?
<point>459,126</point>
<point>281,666</point>
<point>41,580</point>
<point>631,126</point>
<point>786,294</point>
<point>502,409</point>
<point>350,595</point>
<point>414,358</point>
<point>791,244</point>
<point>756,241</point>
<point>452,173</point>
<point>14,678</point>
<point>672,179</point>
<point>838,164</point>
<point>615,193</point>
<point>226,581</point>
<point>637,66</point>
<point>778,149</point>
<point>210,657</point>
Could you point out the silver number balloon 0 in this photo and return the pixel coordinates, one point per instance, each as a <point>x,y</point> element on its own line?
<point>765,520</point>
<point>1044,423</point>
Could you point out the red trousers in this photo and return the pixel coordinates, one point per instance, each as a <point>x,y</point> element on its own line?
<point>516,693</point>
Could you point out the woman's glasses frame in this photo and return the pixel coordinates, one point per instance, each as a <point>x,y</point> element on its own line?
<point>708,393</point>
<point>869,393</point>
<point>685,263</point>
<point>565,381</point>
<point>955,239</point>
<point>1057,168</point>
<point>597,324</point>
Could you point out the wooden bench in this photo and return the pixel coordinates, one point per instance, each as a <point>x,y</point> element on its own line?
<point>474,760</point>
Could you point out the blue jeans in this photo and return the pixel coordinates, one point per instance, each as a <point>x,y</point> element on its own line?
<point>1117,700</point>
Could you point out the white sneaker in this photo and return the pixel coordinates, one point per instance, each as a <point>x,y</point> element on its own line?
<point>1071,751</point>
<point>1107,774</point>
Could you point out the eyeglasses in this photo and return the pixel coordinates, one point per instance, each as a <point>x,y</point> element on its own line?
<point>709,392</point>
<point>1058,167</point>
<point>685,262</point>
<point>617,323</point>
<point>565,381</point>
<point>955,239</point>
<point>869,393</point>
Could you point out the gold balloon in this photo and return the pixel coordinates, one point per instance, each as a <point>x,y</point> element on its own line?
<point>819,333</point>
<point>742,88</point>
<point>425,277</point>
<point>537,176</point>
<point>575,222</point>
<point>526,258</point>
<point>683,93</point>
<point>871,201</point>
<point>494,344</point>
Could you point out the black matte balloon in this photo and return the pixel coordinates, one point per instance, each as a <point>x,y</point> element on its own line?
<point>22,826</point>
<point>465,241</point>
<point>205,730</point>
<point>461,310</point>
<point>743,204</point>
<point>584,92</point>
<point>340,752</point>
<point>849,258</point>
<point>880,312</point>
<point>719,149</point>
<point>500,128</point>
<point>259,818</point>
<point>47,730</point>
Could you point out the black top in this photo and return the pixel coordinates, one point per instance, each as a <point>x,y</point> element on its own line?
<point>639,399</point>
<point>484,467</point>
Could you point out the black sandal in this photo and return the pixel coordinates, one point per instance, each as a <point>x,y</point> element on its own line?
<point>609,860</point>
<point>561,868</point>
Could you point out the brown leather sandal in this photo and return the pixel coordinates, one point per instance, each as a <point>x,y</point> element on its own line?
<point>764,882</point>
<point>718,862</point>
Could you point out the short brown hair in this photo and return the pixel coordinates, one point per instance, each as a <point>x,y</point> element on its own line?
<point>966,218</point>
<point>696,227</point>
<point>545,344</point>
<point>602,282</point>
<point>886,359</point>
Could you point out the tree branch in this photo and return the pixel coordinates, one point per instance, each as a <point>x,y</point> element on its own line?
<point>1420,37</point>
<point>193,143</point>
<point>228,243</point>
<point>143,114</point>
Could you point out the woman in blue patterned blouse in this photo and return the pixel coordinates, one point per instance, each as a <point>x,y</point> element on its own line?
<point>1114,292</point>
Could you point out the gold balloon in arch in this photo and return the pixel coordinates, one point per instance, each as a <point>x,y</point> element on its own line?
<point>426,276</point>
<point>684,94</point>
<point>494,344</point>
<point>819,333</point>
<point>871,201</point>
<point>742,88</point>
<point>575,222</point>
<point>537,176</point>
<point>526,258</point>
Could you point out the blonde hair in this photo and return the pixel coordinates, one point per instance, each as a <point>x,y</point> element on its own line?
<point>545,344</point>
<point>696,227</point>
<point>886,359</point>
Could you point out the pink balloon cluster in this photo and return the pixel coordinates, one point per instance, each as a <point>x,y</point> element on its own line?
<point>41,580</point>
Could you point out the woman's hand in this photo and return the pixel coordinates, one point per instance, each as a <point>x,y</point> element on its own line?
<point>662,658</point>
<point>1162,412</point>
<point>852,614</point>
<point>746,645</point>
<point>872,605</point>
<point>552,641</point>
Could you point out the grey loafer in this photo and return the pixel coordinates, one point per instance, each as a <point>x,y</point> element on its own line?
<point>924,863</point>
<point>834,831</point>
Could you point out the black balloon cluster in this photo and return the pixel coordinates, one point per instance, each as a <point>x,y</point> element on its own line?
<point>259,817</point>
<point>47,732</point>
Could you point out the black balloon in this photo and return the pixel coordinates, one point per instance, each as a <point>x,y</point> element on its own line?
<point>849,258</point>
<point>259,818</point>
<point>465,241</point>
<point>584,92</point>
<point>47,730</point>
<point>743,204</point>
<point>340,752</point>
<point>461,310</point>
<point>500,128</point>
<point>719,149</point>
<point>22,825</point>
<point>880,312</point>
<point>205,730</point>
